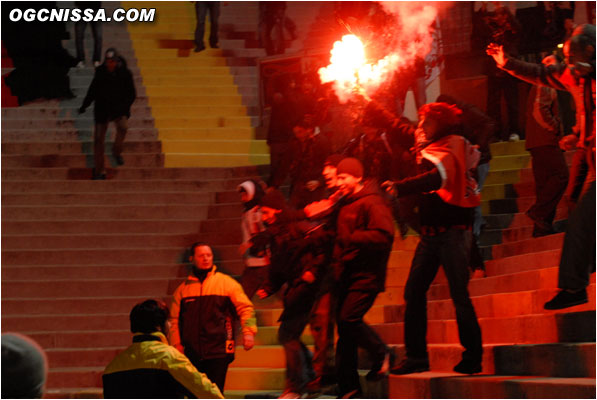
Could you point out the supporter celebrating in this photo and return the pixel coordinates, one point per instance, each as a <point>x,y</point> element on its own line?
<point>150,368</point>
<point>445,160</point>
<point>113,91</point>
<point>576,75</point>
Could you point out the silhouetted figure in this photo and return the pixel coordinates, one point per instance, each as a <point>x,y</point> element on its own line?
<point>41,63</point>
<point>96,30</point>
<point>201,9</point>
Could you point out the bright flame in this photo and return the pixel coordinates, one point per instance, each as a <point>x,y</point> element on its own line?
<point>412,38</point>
<point>349,69</point>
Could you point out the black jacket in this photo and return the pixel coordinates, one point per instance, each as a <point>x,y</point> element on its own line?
<point>113,93</point>
<point>297,247</point>
<point>365,232</point>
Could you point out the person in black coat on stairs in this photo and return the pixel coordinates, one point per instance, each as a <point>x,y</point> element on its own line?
<point>113,91</point>
<point>365,233</point>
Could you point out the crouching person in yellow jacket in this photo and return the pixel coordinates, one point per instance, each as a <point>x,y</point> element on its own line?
<point>150,368</point>
<point>203,316</point>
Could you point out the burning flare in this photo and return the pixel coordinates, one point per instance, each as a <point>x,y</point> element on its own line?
<point>349,69</point>
<point>412,37</point>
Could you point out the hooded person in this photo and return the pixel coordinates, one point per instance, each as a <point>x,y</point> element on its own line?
<point>112,91</point>
<point>364,237</point>
<point>256,258</point>
<point>24,367</point>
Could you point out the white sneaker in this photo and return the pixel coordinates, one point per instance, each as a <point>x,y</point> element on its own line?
<point>80,64</point>
<point>514,137</point>
<point>96,64</point>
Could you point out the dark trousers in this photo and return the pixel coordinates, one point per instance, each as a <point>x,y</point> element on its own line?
<point>99,141</point>
<point>96,30</point>
<point>298,303</point>
<point>353,333</point>
<point>551,178</point>
<point>321,323</point>
<point>214,368</point>
<point>452,250</point>
<point>508,86</point>
<point>201,8</point>
<point>252,279</point>
<point>580,175</point>
<point>578,252</point>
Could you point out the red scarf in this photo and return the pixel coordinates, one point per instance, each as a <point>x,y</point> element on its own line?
<point>455,158</point>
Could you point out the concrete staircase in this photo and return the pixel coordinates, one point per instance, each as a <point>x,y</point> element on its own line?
<point>78,254</point>
<point>204,104</point>
<point>529,352</point>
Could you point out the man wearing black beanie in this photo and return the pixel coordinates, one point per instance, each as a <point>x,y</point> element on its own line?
<point>365,232</point>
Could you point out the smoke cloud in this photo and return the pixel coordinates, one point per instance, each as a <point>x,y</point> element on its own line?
<point>404,37</point>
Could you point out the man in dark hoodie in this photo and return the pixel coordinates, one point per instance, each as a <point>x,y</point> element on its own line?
<point>298,255</point>
<point>449,195</point>
<point>365,233</point>
<point>113,91</point>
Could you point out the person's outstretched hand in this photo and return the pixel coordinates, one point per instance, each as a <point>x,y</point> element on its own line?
<point>497,52</point>
<point>262,294</point>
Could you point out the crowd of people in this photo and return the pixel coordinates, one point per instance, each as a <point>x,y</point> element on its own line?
<point>326,245</point>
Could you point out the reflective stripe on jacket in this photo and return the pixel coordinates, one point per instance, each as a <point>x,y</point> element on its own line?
<point>202,315</point>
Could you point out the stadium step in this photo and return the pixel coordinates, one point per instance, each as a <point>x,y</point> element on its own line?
<point>163,51</point>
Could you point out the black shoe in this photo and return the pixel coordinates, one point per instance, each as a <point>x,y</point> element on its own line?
<point>542,230</point>
<point>381,370</point>
<point>99,177</point>
<point>540,224</point>
<point>214,45</point>
<point>409,366</point>
<point>199,48</point>
<point>119,159</point>
<point>468,367</point>
<point>565,299</point>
